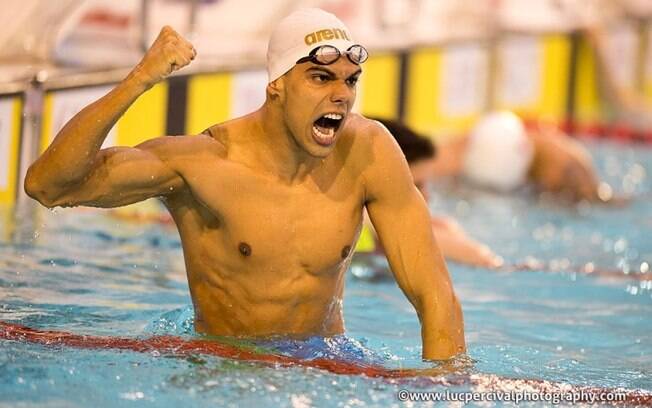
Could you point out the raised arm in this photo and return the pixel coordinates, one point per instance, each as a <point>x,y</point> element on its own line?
<point>74,164</point>
<point>401,218</point>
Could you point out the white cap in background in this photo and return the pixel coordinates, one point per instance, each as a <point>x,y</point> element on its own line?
<point>499,152</point>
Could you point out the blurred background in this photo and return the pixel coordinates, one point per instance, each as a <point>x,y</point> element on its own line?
<point>584,66</point>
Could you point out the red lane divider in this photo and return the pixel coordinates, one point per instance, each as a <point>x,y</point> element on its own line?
<point>617,132</point>
<point>171,345</point>
<point>621,132</point>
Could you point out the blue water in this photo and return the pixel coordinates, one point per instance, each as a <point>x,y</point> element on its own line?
<point>87,272</point>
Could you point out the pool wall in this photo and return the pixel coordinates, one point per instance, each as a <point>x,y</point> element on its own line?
<point>439,89</point>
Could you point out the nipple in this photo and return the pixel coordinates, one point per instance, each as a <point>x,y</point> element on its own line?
<point>244,249</point>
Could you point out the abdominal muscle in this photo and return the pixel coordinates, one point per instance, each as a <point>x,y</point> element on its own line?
<point>254,304</point>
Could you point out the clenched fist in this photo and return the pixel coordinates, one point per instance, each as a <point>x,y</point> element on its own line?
<point>169,52</point>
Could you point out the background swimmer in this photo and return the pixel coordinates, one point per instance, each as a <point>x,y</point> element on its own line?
<point>499,153</point>
<point>269,205</point>
<point>455,244</point>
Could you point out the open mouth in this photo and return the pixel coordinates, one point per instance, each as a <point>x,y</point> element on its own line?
<point>324,128</point>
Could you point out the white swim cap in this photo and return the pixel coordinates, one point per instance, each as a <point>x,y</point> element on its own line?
<point>301,32</point>
<point>499,152</point>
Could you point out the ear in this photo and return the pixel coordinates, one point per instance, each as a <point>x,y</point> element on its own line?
<point>276,88</point>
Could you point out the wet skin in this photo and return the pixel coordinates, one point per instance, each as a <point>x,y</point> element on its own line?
<point>265,256</point>
<point>267,212</point>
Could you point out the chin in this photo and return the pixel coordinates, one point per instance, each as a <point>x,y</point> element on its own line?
<point>319,152</point>
<point>312,148</point>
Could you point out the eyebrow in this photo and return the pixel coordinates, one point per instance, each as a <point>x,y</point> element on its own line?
<point>356,73</point>
<point>322,69</point>
<point>331,73</point>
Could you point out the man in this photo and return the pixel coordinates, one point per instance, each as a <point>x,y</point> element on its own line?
<point>269,205</point>
<point>421,155</point>
<point>501,154</point>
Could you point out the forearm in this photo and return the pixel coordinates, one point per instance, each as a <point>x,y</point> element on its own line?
<point>421,273</point>
<point>442,326</point>
<point>71,155</point>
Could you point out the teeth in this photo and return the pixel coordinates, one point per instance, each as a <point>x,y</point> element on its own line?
<point>335,116</point>
<point>320,134</point>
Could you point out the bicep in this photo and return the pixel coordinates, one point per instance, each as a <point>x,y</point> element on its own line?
<point>124,175</point>
<point>402,220</point>
<point>390,193</point>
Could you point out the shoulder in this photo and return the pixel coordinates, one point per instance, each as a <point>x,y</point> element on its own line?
<point>374,151</point>
<point>214,140</point>
<point>369,140</point>
<point>180,149</point>
<point>230,132</point>
<point>179,145</point>
<point>371,143</point>
<point>366,130</point>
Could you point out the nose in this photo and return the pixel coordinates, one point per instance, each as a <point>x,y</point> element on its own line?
<point>342,93</point>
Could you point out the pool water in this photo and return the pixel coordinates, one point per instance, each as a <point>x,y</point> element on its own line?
<point>86,272</point>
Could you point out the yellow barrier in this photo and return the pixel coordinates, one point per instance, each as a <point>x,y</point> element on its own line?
<point>144,120</point>
<point>593,103</point>
<point>447,88</point>
<point>378,92</point>
<point>215,98</point>
<point>366,241</point>
<point>10,129</point>
<point>588,106</point>
<point>208,101</point>
<point>532,76</point>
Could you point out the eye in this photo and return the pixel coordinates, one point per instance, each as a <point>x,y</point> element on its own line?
<point>320,78</point>
<point>352,81</point>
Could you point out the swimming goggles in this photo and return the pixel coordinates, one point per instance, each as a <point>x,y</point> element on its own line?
<point>328,54</point>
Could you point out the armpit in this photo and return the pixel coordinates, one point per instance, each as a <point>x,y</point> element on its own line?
<point>218,133</point>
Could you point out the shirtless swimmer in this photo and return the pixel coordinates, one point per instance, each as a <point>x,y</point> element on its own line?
<point>269,205</point>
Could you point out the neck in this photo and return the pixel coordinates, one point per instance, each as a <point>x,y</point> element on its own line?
<point>277,151</point>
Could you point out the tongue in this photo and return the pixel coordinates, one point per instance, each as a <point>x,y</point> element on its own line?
<point>323,129</point>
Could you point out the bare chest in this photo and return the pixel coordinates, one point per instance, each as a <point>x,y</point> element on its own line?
<point>256,221</point>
